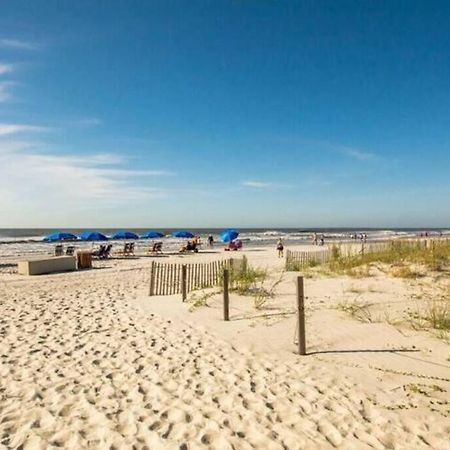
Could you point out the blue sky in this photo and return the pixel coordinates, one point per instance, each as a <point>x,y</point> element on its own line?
<point>224,113</point>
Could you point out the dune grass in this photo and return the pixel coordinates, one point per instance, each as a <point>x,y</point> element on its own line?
<point>359,310</point>
<point>399,256</point>
<point>251,281</point>
<point>435,256</point>
<point>437,314</point>
<point>246,280</point>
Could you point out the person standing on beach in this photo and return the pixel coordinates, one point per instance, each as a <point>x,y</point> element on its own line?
<point>280,248</point>
<point>314,238</point>
<point>322,239</point>
<point>210,240</point>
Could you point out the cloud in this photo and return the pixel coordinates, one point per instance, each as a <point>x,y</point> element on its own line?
<point>15,146</point>
<point>354,152</point>
<point>256,184</point>
<point>87,122</point>
<point>15,128</point>
<point>34,179</point>
<point>6,68</point>
<point>344,150</point>
<point>18,44</point>
<point>5,90</point>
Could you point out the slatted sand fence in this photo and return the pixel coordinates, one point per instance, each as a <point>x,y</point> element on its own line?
<point>299,259</point>
<point>165,278</point>
<point>350,249</point>
<point>306,258</point>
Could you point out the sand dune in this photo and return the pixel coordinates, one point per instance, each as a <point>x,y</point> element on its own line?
<point>82,367</point>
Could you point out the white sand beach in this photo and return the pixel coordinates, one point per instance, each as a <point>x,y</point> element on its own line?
<point>89,360</point>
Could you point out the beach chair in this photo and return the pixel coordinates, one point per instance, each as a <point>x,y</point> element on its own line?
<point>107,252</point>
<point>70,250</point>
<point>233,246</point>
<point>128,249</point>
<point>59,250</point>
<point>124,250</point>
<point>156,248</point>
<point>99,252</point>
<point>189,247</point>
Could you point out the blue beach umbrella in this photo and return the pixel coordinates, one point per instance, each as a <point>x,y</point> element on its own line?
<point>59,236</point>
<point>93,236</point>
<point>152,235</point>
<point>182,234</point>
<point>124,235</point>
<point>229,235</point>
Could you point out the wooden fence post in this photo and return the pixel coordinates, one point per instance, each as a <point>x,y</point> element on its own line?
<point>301,317</point>
<point>226,299</point>
<point>183,283</point>
<point>152,280</point>
<point>244,264</point>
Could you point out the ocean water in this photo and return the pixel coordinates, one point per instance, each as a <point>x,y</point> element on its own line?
<point>23,241</point>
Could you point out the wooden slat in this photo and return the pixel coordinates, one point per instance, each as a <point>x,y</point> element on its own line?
<point>169,269</point>
<point>166,276</point>
<point>171,282</point>
<point>190,275</point>
<point>158,279</point>
<point>163,279</point>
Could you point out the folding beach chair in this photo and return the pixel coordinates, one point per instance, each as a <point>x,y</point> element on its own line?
<point>156,248</point>
<point>125,250</point>
<point>99,252</point>
<point>107,252</point>
<point>70,250</point>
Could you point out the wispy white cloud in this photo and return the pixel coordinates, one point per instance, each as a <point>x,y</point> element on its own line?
<point>7,146</point>
<point>35,179</point>
<point>18,44</point>
<point>257,184</point>
<point>353,152</point>
<point>86,122</point>
<point>324,145</point>
<point>5,90</point>
<point>6,68</point>
<point>16,128</point>
<point>345,150</point>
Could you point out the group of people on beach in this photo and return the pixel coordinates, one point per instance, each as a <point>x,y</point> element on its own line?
<point>318,240</point>
<point>361,236</point>
<point>191,246</point>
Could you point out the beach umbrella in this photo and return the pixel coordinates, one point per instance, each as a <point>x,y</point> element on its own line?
<point>152,235</point>
<point>182,234</point>
<point>229,235</point>
<point>93,236</point>
<point>124,235</point>
<point>59,236</point>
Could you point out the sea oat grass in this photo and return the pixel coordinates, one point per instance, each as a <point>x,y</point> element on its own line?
<point>435,256</point>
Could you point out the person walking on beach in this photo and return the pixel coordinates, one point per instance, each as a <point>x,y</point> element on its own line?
<point>314,238</point>
<point>211,240</point>
<point>322,239</point>
<point>280,248</point>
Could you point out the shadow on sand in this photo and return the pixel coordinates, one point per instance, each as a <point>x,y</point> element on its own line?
<point>368,350</point>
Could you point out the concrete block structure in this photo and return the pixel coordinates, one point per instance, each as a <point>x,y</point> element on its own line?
<point>39,266</point>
